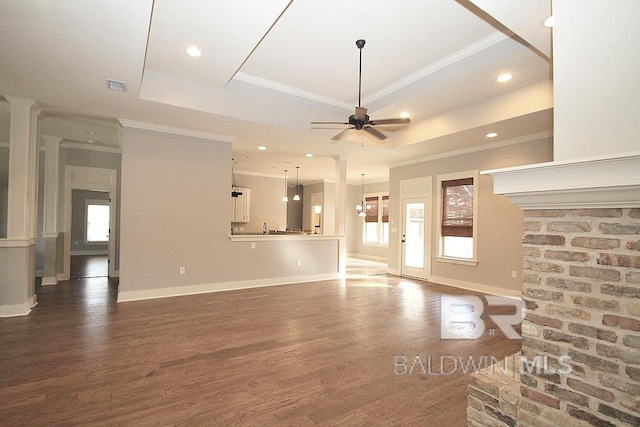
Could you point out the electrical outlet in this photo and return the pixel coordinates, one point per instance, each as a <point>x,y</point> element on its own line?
<point>253,245</point>
<point>183,270</point>
<point>514,274</point>
<point>299,262</point>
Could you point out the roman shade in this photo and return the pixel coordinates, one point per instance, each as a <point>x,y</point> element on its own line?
<point>457,207</point>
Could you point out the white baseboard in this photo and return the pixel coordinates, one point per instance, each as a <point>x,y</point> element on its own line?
<point>393,271</point>
<point>19,309</point>
<point>76,253</point>
<point>368,257</point>
<point>48,280</point>
<point>218,287</point>
<point>486,289</point>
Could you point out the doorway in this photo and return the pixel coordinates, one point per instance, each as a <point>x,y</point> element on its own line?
<point>90,225</point>
<point>93,179</point>
<point>415,238</point>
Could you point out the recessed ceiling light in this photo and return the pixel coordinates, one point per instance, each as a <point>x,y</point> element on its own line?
<point>91,141</point>
<point>90,132</point>
<point>548,22</point>
<point>261,147</point>
<point>405,115</point>
<point>194,51</point>
<point>308,155</point>
<point>244,157</point>
<point>492,135</point>
<point>504,78</point>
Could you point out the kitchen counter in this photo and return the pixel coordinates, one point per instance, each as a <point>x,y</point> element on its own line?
<point>280,237</point>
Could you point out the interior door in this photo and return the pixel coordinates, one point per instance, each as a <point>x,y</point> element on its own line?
<point>414,238</point>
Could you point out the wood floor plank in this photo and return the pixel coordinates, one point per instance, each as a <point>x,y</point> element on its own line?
<point>319,353</point>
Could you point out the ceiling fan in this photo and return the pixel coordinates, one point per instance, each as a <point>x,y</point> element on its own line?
<point>360,120</point>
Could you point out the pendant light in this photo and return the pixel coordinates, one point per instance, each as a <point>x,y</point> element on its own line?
<point>285,198</point>
<point>361,208</point>
<point>297,196</point>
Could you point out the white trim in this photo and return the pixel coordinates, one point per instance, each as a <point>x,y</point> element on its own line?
<point>48,281</point>
<point>53,235</point>
<point>94,179</point>
<point>90,147</point>
<point>93,252</point>
<point>270,84</point>
<point>220,287</point>
<point>15,310</point>
<point>474,149</point>
<point>17,243</point>
<point>175,130</point>
<point>457,261</point>
<point>596,182</point>
<point>487,289</point>
<point>461,54</point>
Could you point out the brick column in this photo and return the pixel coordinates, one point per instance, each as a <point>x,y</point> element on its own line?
<point>581,273</point>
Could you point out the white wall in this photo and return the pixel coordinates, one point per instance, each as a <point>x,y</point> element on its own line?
<point>596,78</point>
<point>500,222</point>
<point>175,213</point>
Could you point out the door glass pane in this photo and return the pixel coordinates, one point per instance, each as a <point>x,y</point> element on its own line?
<point>414,235</point>
<point>97,223</point>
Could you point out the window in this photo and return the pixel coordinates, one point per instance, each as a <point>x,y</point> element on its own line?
<point>458,208</point>
<point>376,221</point>
<point>97,221</point>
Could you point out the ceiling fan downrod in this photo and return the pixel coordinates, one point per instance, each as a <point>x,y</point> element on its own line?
<point>360,43</point>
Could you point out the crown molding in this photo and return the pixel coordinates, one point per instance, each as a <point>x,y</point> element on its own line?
<point>133,124</point>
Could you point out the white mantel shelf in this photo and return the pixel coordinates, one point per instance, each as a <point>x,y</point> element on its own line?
<point>589,183</point>
<point>281,237</point>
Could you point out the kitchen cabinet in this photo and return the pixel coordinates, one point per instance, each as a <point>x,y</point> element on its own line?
<point>241,206</point>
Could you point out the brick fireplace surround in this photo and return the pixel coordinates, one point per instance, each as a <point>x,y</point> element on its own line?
<point>581,294</point>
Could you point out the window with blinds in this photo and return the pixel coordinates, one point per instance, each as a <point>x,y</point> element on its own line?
<point>371,204</point>
<point>376,220</point>
<point>457,207</point>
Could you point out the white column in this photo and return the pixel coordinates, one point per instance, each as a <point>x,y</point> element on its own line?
<point>22,170</point>
<point>17,252</point>
<point>50,231</point>
<point>341,212</point>
<point>341,194</point>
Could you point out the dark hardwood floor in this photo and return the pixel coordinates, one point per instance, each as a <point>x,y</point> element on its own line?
<point>322,353</point>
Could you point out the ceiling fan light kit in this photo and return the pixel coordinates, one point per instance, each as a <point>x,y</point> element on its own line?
<point>360,120</point>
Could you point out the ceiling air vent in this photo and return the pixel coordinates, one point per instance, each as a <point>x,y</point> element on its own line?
<point>116,85</point>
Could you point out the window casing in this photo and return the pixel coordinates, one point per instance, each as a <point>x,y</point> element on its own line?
<point>376,221</point>
<point>458,207</point>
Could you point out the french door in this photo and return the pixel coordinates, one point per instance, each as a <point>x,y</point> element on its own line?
<point>415,238</point>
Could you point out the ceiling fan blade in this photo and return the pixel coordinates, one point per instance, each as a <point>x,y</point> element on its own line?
<point>372,131</point>
<point>329,123</point>
<point>383,122</point>
<point>361,113</point>
<point>341,134</point>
